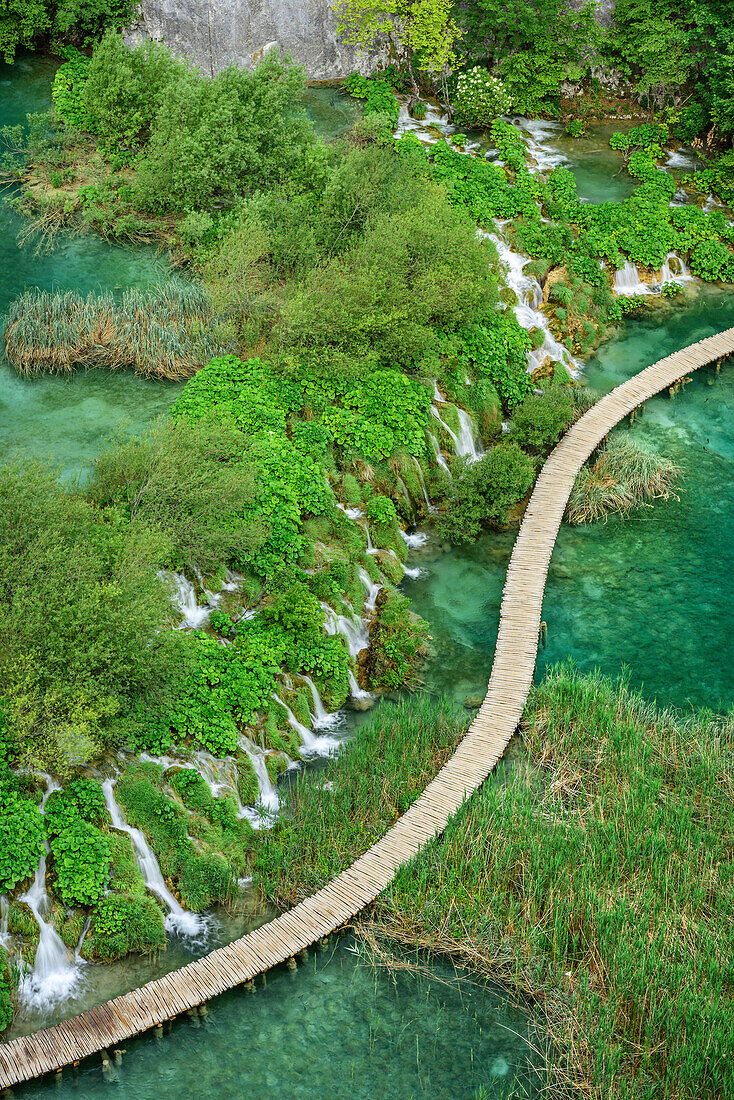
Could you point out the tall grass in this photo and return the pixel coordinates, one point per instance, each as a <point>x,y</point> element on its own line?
<point>623,476</point>
<point>168,332</point>
<point>331,817</point>
<point>599,879</point>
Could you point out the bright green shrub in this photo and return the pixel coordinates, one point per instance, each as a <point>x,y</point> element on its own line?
<point>485,491</point>
<point>397,642</point>
<point>498,353</point>
<point>21,834</point>
<point>712,261</point>
<point>68,90</point>
<point>123,924</point>
<point>82,862</point>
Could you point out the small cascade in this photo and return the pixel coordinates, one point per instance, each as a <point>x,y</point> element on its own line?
<point>268,800</point>
<point>370,548</point>
<point>350,513</point>
<point>436,414</point>
<point>357,693</point>
<point>679,159</point>
<point>310,743</point>
<point>439,457</point>
<point>674,270</point>
<point>404,489</point>
<point>187,925</point>
<point>529,298</point>
<point>4,909</point>
<point>467,446</point>
<point>414,573</point>
<point>354,631</point>
<point>372,591</point>
<point>539,134</point>
<point>85,929</point>
<point>430,508</point>
<point>209,768</point>
<point>415,540</point>
<point>55,974</point>
<point>195,617</point>
<point>627,281</point>
<point>322,718</point>
<point>428,130</point>
<point>437,395</point>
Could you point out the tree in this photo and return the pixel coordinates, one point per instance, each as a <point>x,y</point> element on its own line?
<point>421,33</point>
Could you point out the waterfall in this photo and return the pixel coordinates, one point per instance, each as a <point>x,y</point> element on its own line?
<point>310,744</point>
<point>185,924</point>
<point>430,508</point>
<point>209,768</point>
<point>529,298</point>
<point>370,548</point>
<point>195,617</point>
<point>467,446</point>
<point>268,801</point>
<point>439,457</point>
<point>435,413</point>
<point>538,132</point>
<point>415,573</point>
<point>437,395</point>
<point>627,281</point>
<point>355,690</point>
<point>54,975</point>
<point>674,270</point>
<point>679,159</point>
<point>354,632</point>
<point>322,718</point>
<point>416,540</point>
<point>372,590</point>
<point>404,488</point>
<point>85,929</point>
<point>4,934</point>
<point>350,513</point>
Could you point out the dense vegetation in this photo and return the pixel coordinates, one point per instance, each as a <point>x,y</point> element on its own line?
<point>353,322</point>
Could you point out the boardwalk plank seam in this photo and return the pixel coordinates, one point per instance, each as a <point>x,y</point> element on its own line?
<point>477,754</point>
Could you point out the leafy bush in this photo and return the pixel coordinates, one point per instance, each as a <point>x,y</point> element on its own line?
<point>540,421</point>
<point>82,862</point>
<point>485,491</point>
<point>21,834</point>
<point>479,97</point>
<point>712,261</point>
<point>123,924</point>
<point>68,90</point>
<point>397,642</point>
<point>83,658</point>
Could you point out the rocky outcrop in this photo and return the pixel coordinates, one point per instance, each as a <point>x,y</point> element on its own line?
<point>216,33</point>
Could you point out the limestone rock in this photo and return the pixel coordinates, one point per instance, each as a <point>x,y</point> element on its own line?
<point>216,33</point>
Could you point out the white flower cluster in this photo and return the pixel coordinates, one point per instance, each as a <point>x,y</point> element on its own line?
<point>480,97</point>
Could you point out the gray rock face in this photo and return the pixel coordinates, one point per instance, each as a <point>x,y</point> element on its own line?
<point>216,33</point>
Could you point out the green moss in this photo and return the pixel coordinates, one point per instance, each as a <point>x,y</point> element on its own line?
<point>122,924</point>
<point>247,786</point>
<point>21,922</point>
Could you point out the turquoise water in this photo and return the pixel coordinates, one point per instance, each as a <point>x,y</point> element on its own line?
<point>66,419</point>
<point>337,1028</point>
<point>653,592</point>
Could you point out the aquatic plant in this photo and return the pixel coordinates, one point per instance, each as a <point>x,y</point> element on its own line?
<point>374,779</point>
<point>594,876</point>
<point>622,476</point>
<point>168,332</point>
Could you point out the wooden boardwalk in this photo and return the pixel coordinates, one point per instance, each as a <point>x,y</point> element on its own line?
<point>322,913</point>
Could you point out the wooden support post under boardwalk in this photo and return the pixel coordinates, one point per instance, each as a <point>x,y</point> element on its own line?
<point>316,917</point>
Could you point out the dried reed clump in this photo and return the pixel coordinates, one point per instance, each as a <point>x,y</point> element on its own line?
<point>168,332</point>
<point>623,476</point>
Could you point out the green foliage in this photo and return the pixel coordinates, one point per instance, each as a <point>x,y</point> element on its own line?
<point>68,90</point>
<point>712,261</point>
<point>479,97</point>
<point>607,854</point>
<point>24,22</point>
<point>397,642</point>
<point>83,658</point>
<point>485,491</point>
<point>510,145</point>
<point>420,32</point>
<point>6,991</point>
<point>261,136</point>
<point>378,96</point>
<point>21,834</point>
<point>80,800</point>
<point>123,924</point>
<point>497,352</point>
<point>81,861</point>
<point>190,479</point>
<point>376,777</point>
<point>540,421</point>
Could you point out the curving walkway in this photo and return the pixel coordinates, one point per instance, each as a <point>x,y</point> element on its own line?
<point>475,757</point>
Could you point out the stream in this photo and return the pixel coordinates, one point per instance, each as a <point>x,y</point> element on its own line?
<point>651,593</point>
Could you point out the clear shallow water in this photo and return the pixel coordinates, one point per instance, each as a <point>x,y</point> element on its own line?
<point>336,1028</point>
<point>654,592</point>
<point>330,110</point>
<point>66,419</point>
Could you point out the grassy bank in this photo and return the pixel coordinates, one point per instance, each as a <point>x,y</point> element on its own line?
<point>596,878</point>
<point>622,476</point>
<point>331,817</point>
